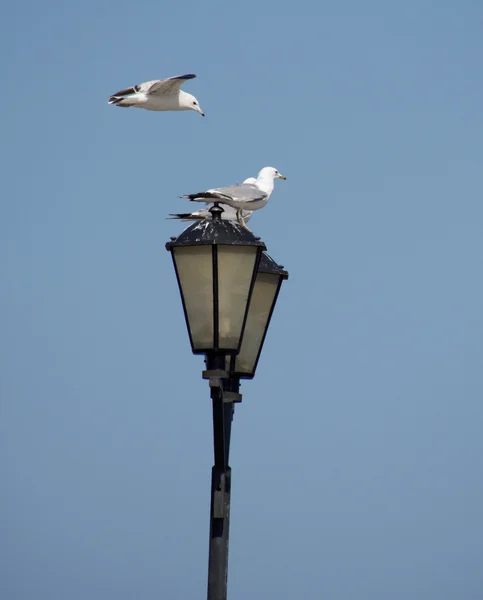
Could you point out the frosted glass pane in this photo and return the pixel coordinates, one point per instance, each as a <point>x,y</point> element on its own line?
<point>263,295</point>
<point>195,272</point>
<point>235,271</point>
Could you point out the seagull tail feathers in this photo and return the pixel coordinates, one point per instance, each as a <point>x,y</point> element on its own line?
<point>185,216</point>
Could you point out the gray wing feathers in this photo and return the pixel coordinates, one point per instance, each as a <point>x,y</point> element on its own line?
<point>246,192</point>
<point>165,86</point>
<point>168,85</point>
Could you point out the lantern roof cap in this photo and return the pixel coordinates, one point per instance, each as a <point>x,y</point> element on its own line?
<point>215,231</point>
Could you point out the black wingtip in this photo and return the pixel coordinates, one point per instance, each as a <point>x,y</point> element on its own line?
<point>128,91</point>
<point>212,196</point>
<point>188,76</point>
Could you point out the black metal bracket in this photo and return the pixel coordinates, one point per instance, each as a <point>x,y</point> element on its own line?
<point>232,397</point>
<point>215,373</point>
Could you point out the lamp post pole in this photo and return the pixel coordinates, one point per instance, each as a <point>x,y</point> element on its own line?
<point>224,392</point>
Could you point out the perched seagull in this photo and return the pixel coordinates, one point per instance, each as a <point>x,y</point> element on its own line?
<point>160,94</point>
<point>244,196</point>
<point>229,213</point>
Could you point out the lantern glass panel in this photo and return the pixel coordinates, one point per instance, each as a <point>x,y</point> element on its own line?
<point>263,297</point>
<point>236,265</point>
<point>194,265</point>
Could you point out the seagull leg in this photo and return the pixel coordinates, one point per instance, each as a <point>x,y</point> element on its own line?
<point>243,223</point>
<point>240,219</point>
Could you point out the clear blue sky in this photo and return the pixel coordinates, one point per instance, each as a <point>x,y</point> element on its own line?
<point>357,453</point>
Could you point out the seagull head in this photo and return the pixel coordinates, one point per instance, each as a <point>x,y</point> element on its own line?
<point>191,103</point>
<point>269,174</point>
<point>266,179</point>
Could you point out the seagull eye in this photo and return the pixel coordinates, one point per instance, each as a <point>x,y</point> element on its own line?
<point>194,103</point>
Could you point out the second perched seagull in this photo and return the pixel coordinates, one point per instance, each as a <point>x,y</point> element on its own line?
<point>160,94</point>
<point>244,196</point>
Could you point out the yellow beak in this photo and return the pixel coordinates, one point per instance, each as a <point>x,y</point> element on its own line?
<point>281,176</point>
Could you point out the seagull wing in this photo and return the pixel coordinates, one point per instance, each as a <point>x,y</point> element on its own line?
<point>156,86</point>
<point>244,192</point>
<point>167,86</point>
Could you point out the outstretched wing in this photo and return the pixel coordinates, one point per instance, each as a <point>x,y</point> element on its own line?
<point>161,86</point>
<point>168,86</point>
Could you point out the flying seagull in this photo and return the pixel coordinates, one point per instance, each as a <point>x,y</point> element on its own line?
<point>160,94</point>
<point>244,196</point>
<point>229,213</point>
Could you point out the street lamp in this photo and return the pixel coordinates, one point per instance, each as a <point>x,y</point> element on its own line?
<point>228,288</point>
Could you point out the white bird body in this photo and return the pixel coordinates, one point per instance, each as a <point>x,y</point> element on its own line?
<point>158,95</point>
